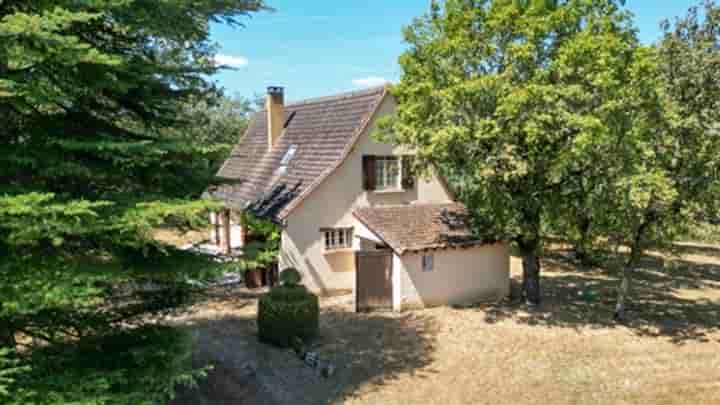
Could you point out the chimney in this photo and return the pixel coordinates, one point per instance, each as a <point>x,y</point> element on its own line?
<point>275,106</point>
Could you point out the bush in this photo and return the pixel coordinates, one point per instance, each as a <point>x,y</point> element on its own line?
<point>288,313</point>
<point>290,277</point>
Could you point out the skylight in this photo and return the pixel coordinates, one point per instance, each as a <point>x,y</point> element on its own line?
<point>288,155</point>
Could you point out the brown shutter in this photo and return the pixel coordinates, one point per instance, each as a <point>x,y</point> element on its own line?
<point>408,178</point>
<point>369,173</point>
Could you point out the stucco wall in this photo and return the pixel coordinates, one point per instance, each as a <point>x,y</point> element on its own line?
<point>459,276</point>
<point>331,205</point>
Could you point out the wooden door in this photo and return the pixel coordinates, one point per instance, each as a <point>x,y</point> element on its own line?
<point>374,287</point>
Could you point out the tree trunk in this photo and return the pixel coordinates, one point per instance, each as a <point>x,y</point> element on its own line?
<point>625,289</point>
<point>531,273</point>
<point>636,251</point>
<point>581,249</point>
<point>624,292</point>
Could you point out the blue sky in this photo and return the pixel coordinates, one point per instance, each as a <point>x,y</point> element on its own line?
<point>321,47</point>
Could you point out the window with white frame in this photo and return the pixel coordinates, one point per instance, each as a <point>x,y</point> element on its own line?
<point>387,173</point>
<point>428,264</point>
<point>340,238</point>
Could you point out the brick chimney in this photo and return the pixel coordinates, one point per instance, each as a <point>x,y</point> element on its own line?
<point>275,106</point>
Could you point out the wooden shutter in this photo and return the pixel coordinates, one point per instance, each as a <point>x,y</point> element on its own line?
<point>408,178</point>
<point>369,181</point>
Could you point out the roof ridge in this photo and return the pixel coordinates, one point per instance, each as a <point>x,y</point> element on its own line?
<point>339,96</point>
<point>414,205</point>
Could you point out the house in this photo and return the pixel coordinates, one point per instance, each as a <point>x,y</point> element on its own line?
<point>353,217</point>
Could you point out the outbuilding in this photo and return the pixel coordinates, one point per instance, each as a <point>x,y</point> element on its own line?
<point>424,255</point>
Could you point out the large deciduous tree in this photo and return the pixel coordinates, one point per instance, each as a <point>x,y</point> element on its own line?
<point>513,101</point>
<point>669,165</point>
<point>93,157</point>
<point>216,124</point>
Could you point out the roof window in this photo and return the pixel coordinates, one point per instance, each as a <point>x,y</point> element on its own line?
<point>288,155</point>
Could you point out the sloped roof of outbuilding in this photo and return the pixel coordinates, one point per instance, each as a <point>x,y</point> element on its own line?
<point>419,227</point>
<point>322,131</point>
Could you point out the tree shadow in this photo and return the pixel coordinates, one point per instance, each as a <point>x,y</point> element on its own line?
<point>367,350</point>
<point>673,298</point>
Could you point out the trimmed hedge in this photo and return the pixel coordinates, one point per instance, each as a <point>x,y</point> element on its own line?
<point>287,313</point>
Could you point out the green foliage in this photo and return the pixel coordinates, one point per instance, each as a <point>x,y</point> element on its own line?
<point>288,313</point>
<point>264,242</point>
<point>10,370</point>
<point>140,366</point>
<point>101,103</point>
<point>704,232</point>
<point>549,118</point>
<point>261,229</point>
<point>216,124</point>
<point>290,277</point>
<point>664,172</point>
<point>514,101</point>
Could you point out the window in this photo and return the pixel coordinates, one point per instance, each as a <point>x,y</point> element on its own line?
<point>387,173</point>
<point>288,155</point>
<point>286,160</point>
<point>428,263</point>
<point>340,238</point>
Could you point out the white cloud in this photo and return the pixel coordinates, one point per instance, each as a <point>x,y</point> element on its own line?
<point>231,61</point>
<point>372,81</point>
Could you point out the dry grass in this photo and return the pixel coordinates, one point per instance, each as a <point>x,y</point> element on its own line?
<point>567,351</point>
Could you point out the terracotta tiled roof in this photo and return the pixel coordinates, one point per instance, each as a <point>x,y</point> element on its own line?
<point>416,227</point>
<point>323,131</point>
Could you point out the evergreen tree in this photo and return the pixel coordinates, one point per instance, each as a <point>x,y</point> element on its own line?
<point>94,157</point>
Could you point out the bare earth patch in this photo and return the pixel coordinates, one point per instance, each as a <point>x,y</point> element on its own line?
<point>567,351</point>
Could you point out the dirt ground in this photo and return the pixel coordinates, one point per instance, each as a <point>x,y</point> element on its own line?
<point>567,351</point>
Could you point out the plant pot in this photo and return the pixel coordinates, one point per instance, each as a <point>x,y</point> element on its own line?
<point>253,278</point>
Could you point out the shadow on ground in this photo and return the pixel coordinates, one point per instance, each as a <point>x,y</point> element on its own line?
<point>673,298</point>
<point>367,350</point>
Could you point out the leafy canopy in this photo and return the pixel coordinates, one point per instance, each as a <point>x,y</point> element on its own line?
<point>512,101</point>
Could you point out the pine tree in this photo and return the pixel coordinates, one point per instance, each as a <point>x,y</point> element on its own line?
<point>93,157</point>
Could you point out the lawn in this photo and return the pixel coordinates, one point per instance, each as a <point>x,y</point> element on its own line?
<point>567,351</point>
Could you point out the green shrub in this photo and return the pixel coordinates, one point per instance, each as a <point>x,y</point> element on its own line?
<point>290,277</point>
<point>288,313</point>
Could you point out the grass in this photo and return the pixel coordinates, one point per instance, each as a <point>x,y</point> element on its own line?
<point>566,351</point>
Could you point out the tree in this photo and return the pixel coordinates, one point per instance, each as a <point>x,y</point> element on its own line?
<point>217,124</point>
<point>669,174</point>
<point>511,101</point>
<point>94,157</point>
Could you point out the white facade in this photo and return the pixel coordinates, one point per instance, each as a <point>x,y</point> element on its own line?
<point>457,276</point>
<point>331,206</point>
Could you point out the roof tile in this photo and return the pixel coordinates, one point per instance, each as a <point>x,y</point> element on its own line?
<point>322,129</point>
<point>417,227</point>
